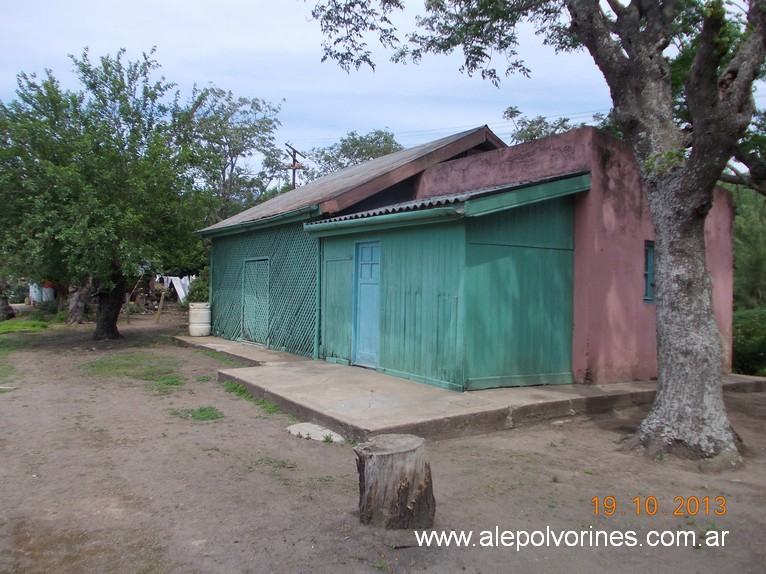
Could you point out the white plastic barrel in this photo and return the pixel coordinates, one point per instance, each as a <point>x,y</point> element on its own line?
<point>199,319</point>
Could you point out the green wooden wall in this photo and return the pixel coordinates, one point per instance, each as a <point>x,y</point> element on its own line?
<point>421,333</point>
<point>288,256</point>
<point>519,295</point>
<point>477,303</point>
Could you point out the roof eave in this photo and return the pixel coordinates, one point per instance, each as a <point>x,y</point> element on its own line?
<point>281,219</point>
<point>373,186</point>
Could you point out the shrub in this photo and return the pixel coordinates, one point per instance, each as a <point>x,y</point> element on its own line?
<point>198,290</point>
<point>19,293</point>
<point>749,356</point>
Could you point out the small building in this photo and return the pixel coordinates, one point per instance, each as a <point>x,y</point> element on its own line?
<point>462,263</point>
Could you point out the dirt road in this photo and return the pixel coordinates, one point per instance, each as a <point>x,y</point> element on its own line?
<point>105,467</point>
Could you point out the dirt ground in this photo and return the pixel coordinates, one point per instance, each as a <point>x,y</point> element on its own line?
<point>100,474</point>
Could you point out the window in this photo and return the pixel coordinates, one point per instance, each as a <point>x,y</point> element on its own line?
<point>649,271</point>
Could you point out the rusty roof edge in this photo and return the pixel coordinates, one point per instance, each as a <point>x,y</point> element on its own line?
<point>464,141</point>
<point>444,200</point>
<point>467,140</point>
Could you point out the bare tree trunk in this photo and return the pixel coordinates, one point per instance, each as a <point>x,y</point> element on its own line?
<point>688,414</point>
<point>61,297</point>
<point>6,311</point>
<point>109,306</point>
<point>77,301</point>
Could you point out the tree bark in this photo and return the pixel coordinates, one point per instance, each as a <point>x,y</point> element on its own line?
<point>6,311</point>
<point>395,487</point>
<point>77,301</point>
<point>109,306</point>
<point>688,414</point>
<point>680,168</point>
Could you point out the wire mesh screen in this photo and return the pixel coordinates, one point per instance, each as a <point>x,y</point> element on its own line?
<point>292,258</point>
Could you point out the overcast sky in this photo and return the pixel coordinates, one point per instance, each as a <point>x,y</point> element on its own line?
<point>270,49</point>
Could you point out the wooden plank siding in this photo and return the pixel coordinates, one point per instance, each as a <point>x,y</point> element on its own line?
<point>476,303</point>
<point>421,293</point>
<point>420,301</point>
<point>519,296</point>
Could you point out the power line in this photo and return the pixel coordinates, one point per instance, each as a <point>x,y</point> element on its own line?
<point>416,137</point>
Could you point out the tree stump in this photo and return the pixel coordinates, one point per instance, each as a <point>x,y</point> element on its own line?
<point>395,488</point>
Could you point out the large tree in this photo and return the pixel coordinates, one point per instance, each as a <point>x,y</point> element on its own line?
<point>90,180</point>
<point>679,162</point>
<point>232,150</point>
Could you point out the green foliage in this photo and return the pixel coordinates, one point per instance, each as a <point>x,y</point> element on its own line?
<point>199,288</point>
<point>95,171</point>
<point>487,34</point>
<point>749,250</point>
<point>165,384</point>
<point>528,129</point>
<point>19,293</point>
<point>225,137</point>
<point>352,149</point>
<point>749,353</point>
<point>113,178</point>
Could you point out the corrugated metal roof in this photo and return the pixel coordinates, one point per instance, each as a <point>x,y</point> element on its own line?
<point>443,200</point>
<point>375,175</point>
<point>413,205</point>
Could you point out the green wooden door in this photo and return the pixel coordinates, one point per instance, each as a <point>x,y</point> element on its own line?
<point>255,301</point>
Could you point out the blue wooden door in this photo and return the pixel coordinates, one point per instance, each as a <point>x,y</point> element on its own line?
<point>367,304</point>
<point>255,301</point>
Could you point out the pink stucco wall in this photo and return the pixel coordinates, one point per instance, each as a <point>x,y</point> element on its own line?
<point>614,337</point>
<point>719,233</point>
<point>614,329</point>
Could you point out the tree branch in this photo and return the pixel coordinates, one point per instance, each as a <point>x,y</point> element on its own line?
<point>720,102</point>
<point>593,29</point>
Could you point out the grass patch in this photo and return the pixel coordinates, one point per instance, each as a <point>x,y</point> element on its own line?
<point>225,359</point>
<point>241,391</point>
<point>21,326</point>
<point>200,414</point>
<point>154,340</point>
<point>273,464</point>
<point>166,383</point>
<point>159,370</point>
<point>204,379</point>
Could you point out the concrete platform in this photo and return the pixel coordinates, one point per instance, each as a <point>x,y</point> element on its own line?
<point>358,403</point>
<point>247,352</point>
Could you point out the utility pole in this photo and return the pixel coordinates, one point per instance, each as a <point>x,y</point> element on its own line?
<point>295,165</point>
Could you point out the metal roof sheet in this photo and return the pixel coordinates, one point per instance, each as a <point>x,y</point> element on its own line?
<point>413,205</point>
<point>444,200</point>
<point>376,174</point>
